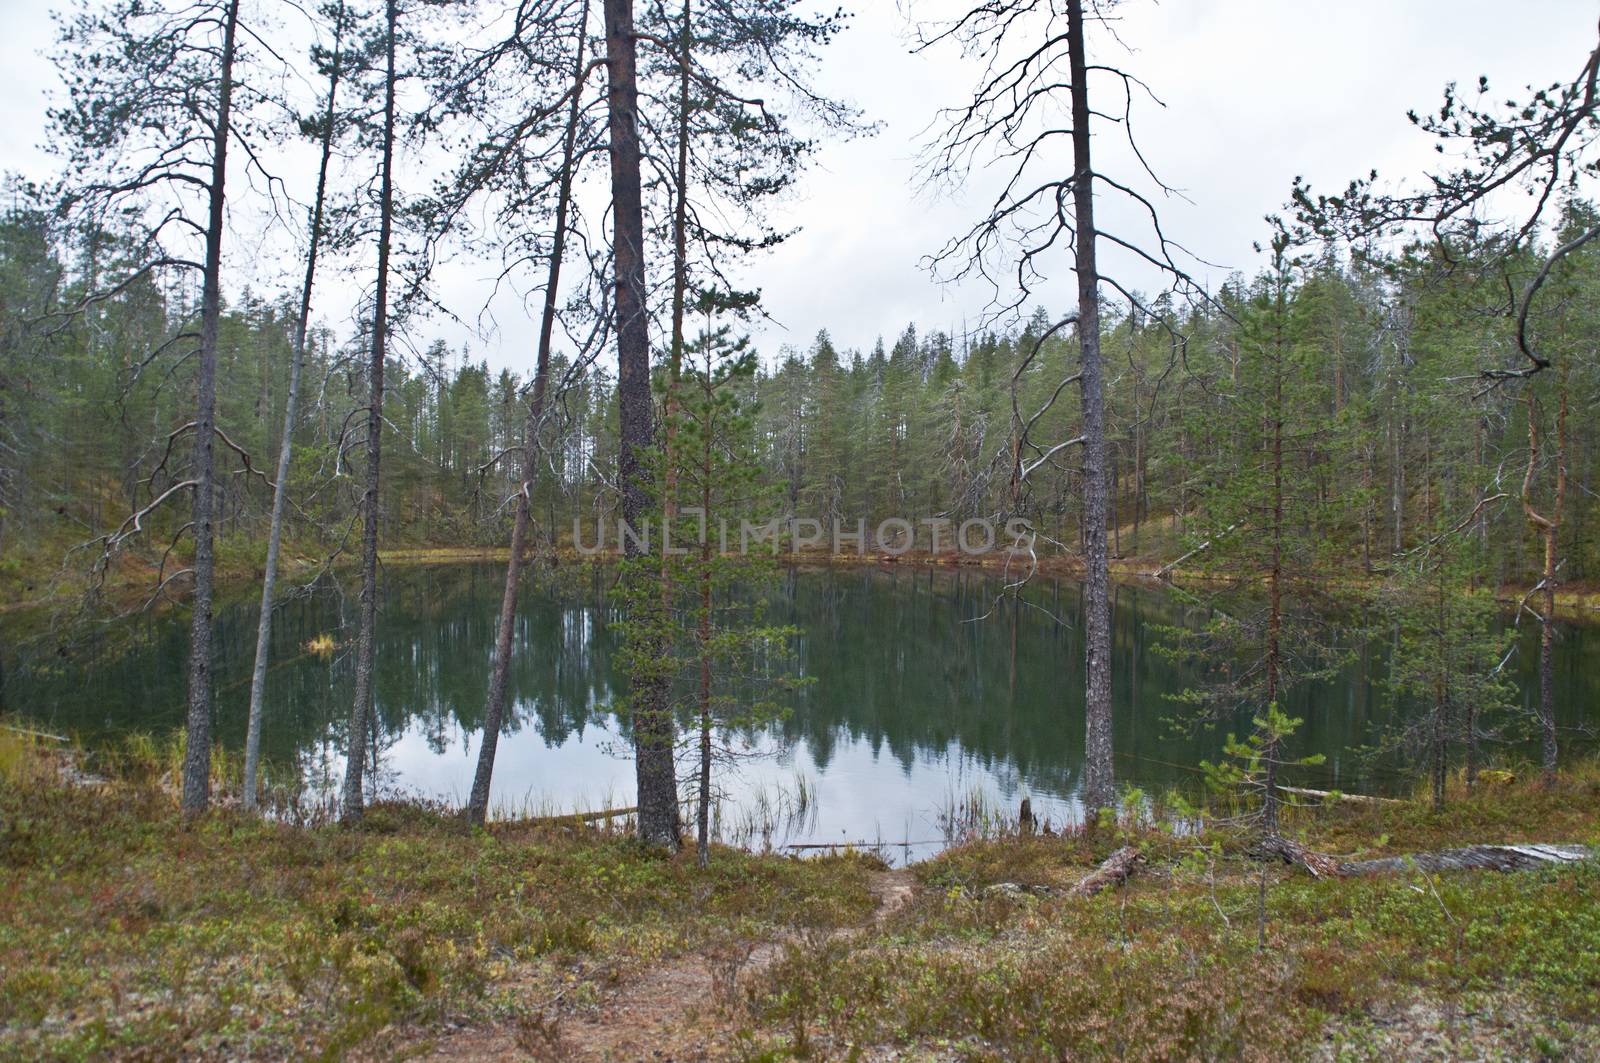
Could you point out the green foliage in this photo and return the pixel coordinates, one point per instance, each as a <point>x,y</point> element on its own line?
<point>693,619</point>
<point>1249,771</point>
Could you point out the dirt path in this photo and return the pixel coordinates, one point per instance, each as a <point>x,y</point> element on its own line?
<point>670,1013</point>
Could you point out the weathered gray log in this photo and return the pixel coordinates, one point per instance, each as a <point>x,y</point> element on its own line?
<point>1324,795</point>
<point>584,817</point>
<point>1321,865</point>
<point>1474,858</point>
<point>1116,870</point>
<point>1470,858</point>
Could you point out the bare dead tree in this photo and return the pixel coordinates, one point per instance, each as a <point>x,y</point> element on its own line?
<point>327,133</point>
<point>1037,67</point>
<point>1548,526</point>
<point>352,801</point>
<point>478,803</point>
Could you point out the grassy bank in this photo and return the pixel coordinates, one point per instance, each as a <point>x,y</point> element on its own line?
<point>1209,954</point>
<point>127,933</point>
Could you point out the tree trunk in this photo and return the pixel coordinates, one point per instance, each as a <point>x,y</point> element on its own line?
<point>280,490</point>
<point>653,731</point>
<point>1274,658</point>
<point>669,501</point>
<point>494,709</point>
<point>1366,508</point>
<point>703,831</point>
<point>1441,690</point>
<point>352,801</point>
<point>1548,527</point>
<point>197,751</point>
<point>1098,774</point>
<point>1397,478</point>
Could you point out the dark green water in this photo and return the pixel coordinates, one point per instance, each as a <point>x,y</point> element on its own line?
<point>914,704</point>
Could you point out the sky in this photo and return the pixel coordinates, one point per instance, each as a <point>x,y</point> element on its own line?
<point>1256,92</point>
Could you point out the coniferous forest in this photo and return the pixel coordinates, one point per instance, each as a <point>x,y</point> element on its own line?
<point>288,536</point>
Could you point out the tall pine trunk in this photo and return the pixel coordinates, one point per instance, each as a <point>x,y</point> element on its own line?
<point>680,288</point>
<point>494,708</point>
<point>197,751</point>
<point>1274,659</point>
<point>1549,527</point>
<point>653,733</point>
<point>1439,739</point>
<point>703,824</point>
<point>1098,772</point>
<point>280,490</point>
<point>352,801</point>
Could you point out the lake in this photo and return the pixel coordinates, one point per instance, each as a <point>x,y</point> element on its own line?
<point>928,696</point>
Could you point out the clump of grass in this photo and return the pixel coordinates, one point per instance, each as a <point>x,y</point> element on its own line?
<point>26,755</point>
<point>1170,966</point>
<point>767,816</point>
<point>126,931</point>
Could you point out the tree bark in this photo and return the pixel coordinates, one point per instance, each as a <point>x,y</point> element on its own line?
<point>1099,784</point>
<point>494,709</point>
<point>197,751</point>
<point>653,732</point>
<point>1548,528</point>
<point>703,813</point>
<point>280,490</point>
<point>352,800</point>
<point>1274,659</point>
<point>1441,688</point>
<point>680,288</point>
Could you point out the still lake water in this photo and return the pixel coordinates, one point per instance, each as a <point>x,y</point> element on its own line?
<point>915,704</point>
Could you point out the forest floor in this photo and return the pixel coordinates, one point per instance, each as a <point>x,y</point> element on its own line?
<point>127,933</point>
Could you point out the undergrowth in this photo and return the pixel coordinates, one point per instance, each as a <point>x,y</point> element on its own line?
<point>127,932</point>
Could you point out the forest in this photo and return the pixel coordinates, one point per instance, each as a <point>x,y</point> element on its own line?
<point>269,525</point>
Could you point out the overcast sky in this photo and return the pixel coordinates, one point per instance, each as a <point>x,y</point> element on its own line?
<point>1256,92</point>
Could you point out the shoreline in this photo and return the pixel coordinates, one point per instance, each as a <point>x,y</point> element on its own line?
<point>134,576</point>
<point>1576,603</point>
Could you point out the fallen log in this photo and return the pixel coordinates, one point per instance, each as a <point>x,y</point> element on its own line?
<point>1161,573</point>
<point>865,846</point>
<point>32,734</point>
<point>583,817</point>
<point>1503,858</point>
<point>1474,858</point>
<point>1116,870</point>
<point>1321,865</point>
<point>1324,795</point>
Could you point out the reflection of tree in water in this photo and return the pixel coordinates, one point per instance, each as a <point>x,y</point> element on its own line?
<point>900,665</point>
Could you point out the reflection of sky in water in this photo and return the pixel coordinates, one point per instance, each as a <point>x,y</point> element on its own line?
<point>865,795</point>
<point>914,708</point>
